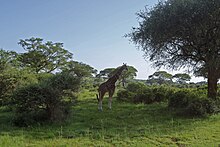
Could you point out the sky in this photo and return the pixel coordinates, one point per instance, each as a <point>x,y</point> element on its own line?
<point>93,30</point>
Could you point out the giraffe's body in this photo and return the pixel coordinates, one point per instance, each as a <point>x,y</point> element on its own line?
<point>109,86</point>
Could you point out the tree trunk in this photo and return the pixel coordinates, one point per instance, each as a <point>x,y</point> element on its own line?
<point>212,82</point>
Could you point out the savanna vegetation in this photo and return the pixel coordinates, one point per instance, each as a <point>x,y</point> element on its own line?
<point>48,99</point>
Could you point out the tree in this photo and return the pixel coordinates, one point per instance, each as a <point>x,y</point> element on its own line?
<point>182,33</point>
<point>85,72</point>
<point>106,73</point>
<point>131,73</point>
<point>126,75</point>
<point>8,58</point>
<point>181,78</point>
<point>160,77</point>
<point>11,75</point>
<point>80,69</point>
<point>44,57</point>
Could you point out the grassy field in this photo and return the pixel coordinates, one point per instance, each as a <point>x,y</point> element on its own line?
<point>125,125</point>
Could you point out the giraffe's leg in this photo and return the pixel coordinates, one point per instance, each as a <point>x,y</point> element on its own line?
<point>110,103</point>
<point>111,92</point>
<point>100,105</point>
<point>100,101</point>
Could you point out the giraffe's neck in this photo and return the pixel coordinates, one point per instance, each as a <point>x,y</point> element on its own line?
<point>115,77</point>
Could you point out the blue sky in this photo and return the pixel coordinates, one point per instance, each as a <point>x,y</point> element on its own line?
<point>92,30</point>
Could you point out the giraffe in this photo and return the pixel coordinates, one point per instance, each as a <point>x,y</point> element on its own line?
<point>109,86</point>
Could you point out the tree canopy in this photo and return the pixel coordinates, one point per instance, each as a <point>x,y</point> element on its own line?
<point>108,72</point>
<point>181,78</point>
<point>161,77</point>
<point>44,57</point>
<point>182,33</point>
<point>80,69</point>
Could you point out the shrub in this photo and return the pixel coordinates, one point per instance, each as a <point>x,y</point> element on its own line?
<point>161,93</point>
<point>179,99</point>
<point>199,107</point>
<point>140,93</point>
<point>10,80</point>
<point>125,95</point>
<point>136,87</point>
<point>146,96</point>
<point>192,103</point>
<point>49,100</point>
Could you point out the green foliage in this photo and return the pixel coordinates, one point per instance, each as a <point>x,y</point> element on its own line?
<point>192,103</point>
<point>160,77</point>
<point>106,73</point>
<point>43,57</point>
<point>199,107</point>
<point>181,78</point>
<point>128,74</point>
<point>126,124</point>
<point>131,73</point>
<point>180,98</point>
<point>80,69</point>
<point>11,79</point>
<point>140,93</point>
<point>49,100</point>
<point>136,87</point>
<point>8,58</point>
<point>182,33</point>
<point>125,95</point>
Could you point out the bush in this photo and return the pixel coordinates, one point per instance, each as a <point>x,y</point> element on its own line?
<point>140,93</point>
<point>198,107</point>
<point>136,87</point>
<point>146,96</point>
<point>125,95</point>
<point>10,80</point>
<point>192,103</point>
<point>161,93</point>
<point>179,99</point>
<point>49,100</point>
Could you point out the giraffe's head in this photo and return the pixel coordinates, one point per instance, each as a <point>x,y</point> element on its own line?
<point>124,67</point>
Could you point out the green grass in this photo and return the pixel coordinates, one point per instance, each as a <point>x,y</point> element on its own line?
<point>125,125</point>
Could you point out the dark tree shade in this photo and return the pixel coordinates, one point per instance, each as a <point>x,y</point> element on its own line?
<point>182,33</point>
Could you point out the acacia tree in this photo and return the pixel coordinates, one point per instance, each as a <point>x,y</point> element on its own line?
<point>79,69</point>
<point>44,57</point>
<point>131,73</point>
<point>182,33</point>
<point>161,77</point>
<point>106,73</point>
<point>181,78</point>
